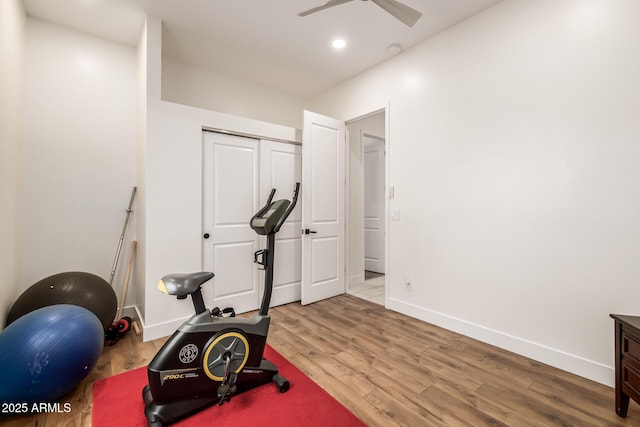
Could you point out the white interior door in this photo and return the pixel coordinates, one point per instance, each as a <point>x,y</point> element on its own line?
<point>373,159</point>
<point>231,192</point>
<point>323,207</point>
<point>281,168</point>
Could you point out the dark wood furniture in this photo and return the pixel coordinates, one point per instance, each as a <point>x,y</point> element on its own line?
<point>627,352</point>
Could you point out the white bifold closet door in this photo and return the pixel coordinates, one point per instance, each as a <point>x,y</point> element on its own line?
<point>238,174</point>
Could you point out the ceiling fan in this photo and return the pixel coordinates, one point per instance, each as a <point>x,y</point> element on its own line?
<point>402,12</point>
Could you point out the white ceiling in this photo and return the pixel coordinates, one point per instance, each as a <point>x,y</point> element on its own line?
<point>263,41</point>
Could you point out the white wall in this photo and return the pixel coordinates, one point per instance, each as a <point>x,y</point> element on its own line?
<point>191,85</point>
<point>12,33</point>
<point>514,156</point>
<point>175,101</point>
<point>79,152</point>
<point>173,187</point>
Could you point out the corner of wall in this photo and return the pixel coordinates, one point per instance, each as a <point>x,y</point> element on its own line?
<point>140,213</point>
<point>149,52</point>
<point>12,34</point>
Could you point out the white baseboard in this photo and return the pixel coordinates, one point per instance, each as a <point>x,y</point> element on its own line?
<point>152,332</point>
<point>129,311</point>
<point>577,365</point>
<point>159,330</point>
<point>356,279</point>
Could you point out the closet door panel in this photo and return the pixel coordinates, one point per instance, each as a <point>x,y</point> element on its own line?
<point>281,168</point>
<point>230,198</point>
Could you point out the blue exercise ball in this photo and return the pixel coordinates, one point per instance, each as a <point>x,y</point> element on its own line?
<point>47,353</point>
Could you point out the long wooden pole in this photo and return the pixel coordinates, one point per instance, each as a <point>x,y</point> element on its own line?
<point>126,280</point>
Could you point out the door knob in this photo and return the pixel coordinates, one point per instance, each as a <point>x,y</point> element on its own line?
<point>205,235</point>
<point>307,231</point>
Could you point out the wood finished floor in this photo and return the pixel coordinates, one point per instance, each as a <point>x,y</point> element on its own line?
<point>390,369</point>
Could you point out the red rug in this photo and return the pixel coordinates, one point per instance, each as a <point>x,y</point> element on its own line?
<point>117,401</point>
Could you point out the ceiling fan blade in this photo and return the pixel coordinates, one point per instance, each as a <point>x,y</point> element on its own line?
<point>401,11</point>
<point>323,6</point>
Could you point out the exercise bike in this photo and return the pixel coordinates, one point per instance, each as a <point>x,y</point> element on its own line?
<point>212,357</point>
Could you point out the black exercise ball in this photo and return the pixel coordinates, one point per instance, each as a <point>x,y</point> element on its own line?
<point>77,288</point>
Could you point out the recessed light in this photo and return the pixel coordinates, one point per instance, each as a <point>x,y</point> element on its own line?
<point>339,43</point>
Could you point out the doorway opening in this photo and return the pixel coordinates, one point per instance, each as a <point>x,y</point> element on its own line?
<point>366,207</point>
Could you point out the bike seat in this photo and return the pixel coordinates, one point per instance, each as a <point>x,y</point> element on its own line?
<point>182,285</point>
